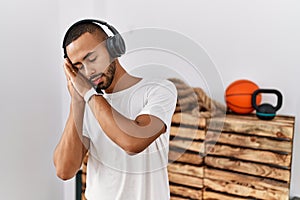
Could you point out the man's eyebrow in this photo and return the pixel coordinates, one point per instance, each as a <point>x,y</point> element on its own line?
<point>85,57</point>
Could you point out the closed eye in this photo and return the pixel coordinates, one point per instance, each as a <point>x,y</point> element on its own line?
<point>93,59</point>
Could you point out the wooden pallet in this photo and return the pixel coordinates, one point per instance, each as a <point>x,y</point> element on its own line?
<point>248,159</point>
<point>186,168</point>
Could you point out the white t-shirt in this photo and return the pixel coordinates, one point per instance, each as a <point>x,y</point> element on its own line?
<point>112,174</point>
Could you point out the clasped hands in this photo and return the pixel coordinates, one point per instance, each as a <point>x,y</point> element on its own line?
<point>77,81</point>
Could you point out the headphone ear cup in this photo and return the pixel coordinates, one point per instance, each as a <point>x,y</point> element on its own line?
<point>115,46</point>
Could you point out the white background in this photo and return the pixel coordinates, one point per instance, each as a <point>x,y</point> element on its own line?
<point>257,40</point>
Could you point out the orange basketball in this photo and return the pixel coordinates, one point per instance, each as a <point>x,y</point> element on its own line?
<point>238,96</point>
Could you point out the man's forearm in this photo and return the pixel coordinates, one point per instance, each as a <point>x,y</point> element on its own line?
<point>69,152</point>
<point>131,135</point>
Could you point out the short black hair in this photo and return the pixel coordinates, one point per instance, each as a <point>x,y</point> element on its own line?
<point>76,31</point>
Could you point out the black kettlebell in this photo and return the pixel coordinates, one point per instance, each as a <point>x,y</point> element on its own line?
<point>266,111</point>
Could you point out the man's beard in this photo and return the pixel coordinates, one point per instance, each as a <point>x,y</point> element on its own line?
<point>108,77</point>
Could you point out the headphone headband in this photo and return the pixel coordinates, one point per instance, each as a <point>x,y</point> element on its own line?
<point>116,44</point>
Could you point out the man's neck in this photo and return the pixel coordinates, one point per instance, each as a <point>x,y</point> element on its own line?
<point>122,80</point>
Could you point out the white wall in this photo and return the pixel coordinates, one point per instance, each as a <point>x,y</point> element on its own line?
<point>30,106</point>
<point>258,40</point>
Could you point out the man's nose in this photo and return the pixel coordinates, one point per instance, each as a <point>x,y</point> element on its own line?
<point>90,71</point>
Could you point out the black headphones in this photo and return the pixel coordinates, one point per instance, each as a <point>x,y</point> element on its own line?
<point>266,111</point>
<point>115,44</point>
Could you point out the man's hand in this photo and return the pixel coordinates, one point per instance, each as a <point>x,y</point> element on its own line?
<point>79,82</point>
<point>73,93</point>
<point>77,101</point>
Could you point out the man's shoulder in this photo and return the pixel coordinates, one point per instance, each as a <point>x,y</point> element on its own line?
<point>159,83</point>
<point>160,88</point>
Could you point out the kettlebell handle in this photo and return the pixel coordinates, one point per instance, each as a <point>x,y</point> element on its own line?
<point>269,91</point>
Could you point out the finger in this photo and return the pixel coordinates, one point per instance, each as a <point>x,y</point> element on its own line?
<point>66,64</point>
<point>67,77</point>
<point>70,73</point>
<point>70,65</point>
<point>69,85</point>
<point>67,73</point>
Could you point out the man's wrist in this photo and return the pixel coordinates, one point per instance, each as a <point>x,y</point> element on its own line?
<point>76,97</point>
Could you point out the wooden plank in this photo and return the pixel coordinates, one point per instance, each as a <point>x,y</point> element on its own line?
<point>185,180</point>
<point>190,133</point>
<point>250,141</point>
<point>248,168</point>
<point>210,195</point>
<point>83,176</point>
<point>246,186</point>
<point>185,157</point>
<point>178,168</point>
<point>186,192</point>
<point>187,145</point>
<point>250,155</point>
<point>238,124</point>
<point>178,198</point>
<point>278,119</point>
<point>188,119</point>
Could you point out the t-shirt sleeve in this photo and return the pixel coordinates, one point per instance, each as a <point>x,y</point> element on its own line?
<point>161,101</point>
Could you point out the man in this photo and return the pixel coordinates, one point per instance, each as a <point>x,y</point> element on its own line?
<point>125,130</point>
